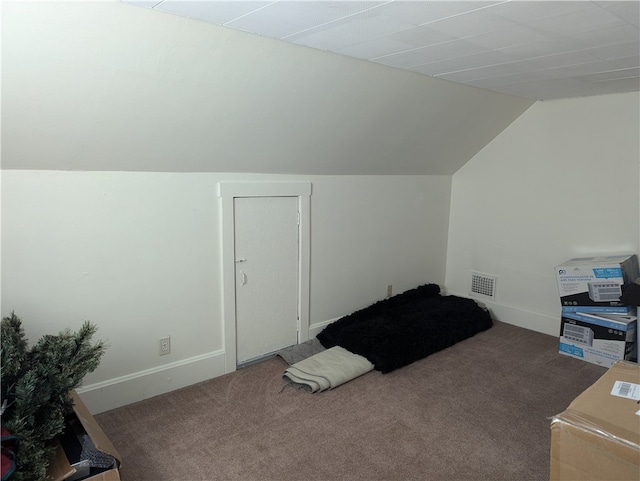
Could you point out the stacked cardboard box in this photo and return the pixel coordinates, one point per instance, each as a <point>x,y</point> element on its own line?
<point>102,461</point>
<point>596,325</point>
<point>598,435</point>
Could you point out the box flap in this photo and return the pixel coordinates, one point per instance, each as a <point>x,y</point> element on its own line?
<point>604,414</point>
<point>597,260</point>
<point>579,455</point>
<point>111,475</point>
<point>95,432</point>
<point>59,467</point>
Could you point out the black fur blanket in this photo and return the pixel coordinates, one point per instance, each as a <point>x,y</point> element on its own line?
<point>404,328</point>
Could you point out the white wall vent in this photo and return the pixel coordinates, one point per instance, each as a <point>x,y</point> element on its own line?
<point>483,284</point>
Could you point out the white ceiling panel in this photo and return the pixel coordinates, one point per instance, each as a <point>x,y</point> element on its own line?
<point>313,14</point>
<point>620,50</point>
<point>297,18</point>
<point>562,59</point>
<point>425,12</point>
<point>442,51</point>
<point>377,46</point>
<point>535,10</point>
<point>350,31</point>
<point>463,63</point>
<point>488,72</point>
<point>266,27</point>
<point>508,36</point>
<point>624,62</point>
<point>421,36</point>
<point>575,46</point>
<point>625,84</point>
<point>586,20</point>
<point>516,79</point>
<point>473,23</point>
<point>212,12</point>
<point>627,11</point>
<point>588,69</point>
<point>619,74</point>
<point>605,36</point>
<point>528,51</point>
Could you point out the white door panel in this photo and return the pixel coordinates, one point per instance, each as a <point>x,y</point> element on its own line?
<point>266,255</point>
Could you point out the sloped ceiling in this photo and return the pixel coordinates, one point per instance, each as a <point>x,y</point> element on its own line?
<point>530,48</point>
<point>106,86</point>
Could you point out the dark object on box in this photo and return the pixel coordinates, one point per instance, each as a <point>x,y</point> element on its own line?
<point>598,435</point>
<point>10,445</point>
<point>84,452</point>
<point>631,295</point>
<point>399,330</point>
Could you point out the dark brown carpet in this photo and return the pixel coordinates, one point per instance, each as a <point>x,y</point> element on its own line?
<point>476,411</point>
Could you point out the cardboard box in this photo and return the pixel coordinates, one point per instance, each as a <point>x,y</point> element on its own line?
<point>599,338</point>
<point>61,469</point>
<point>595,284</point>
<point>598,436</point>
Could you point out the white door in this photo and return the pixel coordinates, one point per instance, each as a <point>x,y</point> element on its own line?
<point>266,257</point>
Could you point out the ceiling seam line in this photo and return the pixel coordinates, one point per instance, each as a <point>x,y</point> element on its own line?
<point>335,20</point>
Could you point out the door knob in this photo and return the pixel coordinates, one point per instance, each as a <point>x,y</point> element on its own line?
<point>238,261</point>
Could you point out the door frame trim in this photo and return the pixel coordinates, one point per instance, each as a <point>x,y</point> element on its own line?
<point>227,192</point>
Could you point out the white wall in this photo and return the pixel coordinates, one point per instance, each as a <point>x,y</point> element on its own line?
<point>105,86</point>
<point>139,254</point>
<point>112,87</point>
<point>560,182</point>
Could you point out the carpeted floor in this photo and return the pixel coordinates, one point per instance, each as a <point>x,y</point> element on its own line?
<point>476,411</point>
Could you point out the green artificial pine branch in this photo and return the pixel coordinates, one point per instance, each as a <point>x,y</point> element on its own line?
<point>36,385</point>
<point>13,351</point>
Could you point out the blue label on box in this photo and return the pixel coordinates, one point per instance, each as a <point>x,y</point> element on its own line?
<point>571,350</point>
<point>620,325</point>
<point>607,272</point>
<point>619,310</point>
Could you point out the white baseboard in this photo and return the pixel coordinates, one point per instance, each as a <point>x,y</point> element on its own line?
<point>117,392</point>
<point>315,329</point>
<point>114,393</point>
<point>120,391</point>
<point>535,321</point>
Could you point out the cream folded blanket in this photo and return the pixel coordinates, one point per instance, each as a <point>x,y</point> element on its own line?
<point>326,370</point>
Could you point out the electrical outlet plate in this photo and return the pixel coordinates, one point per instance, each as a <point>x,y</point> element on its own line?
<point>389,290</point>
<point>164,346</point>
